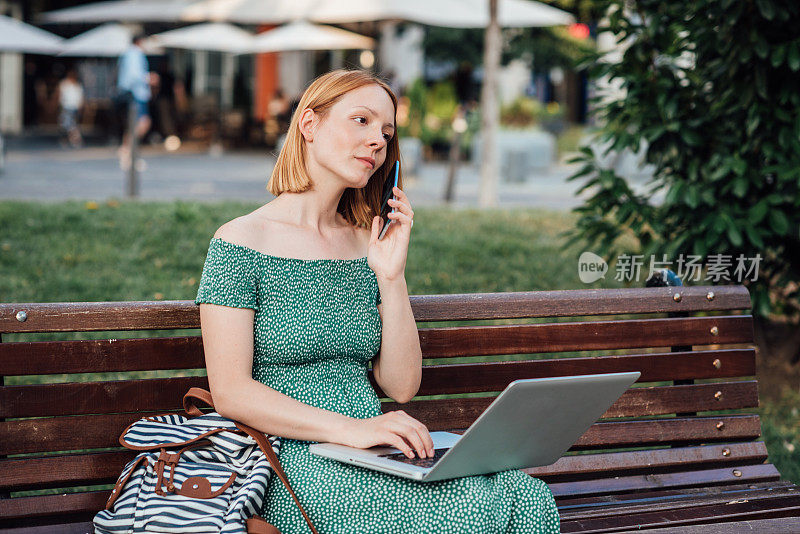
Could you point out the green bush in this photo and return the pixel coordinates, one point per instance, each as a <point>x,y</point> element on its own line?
<point>524,112</point>
<point>431,113</point>
<point>713,87</point>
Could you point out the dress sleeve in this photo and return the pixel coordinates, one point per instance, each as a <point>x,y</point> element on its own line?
<point>230,276</point>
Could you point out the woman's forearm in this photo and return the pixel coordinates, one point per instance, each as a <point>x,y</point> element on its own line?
<point>275,413</point>
<point>398,368</point>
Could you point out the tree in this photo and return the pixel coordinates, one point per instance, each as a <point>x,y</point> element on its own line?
<point>490,113</point>
<point>712,89</point>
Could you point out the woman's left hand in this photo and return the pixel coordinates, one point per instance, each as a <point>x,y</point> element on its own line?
<point>387,256</point>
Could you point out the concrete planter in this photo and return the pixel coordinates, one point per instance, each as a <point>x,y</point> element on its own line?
<point>520,152</point>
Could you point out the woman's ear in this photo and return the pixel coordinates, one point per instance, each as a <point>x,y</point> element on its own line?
<point>307,124</point>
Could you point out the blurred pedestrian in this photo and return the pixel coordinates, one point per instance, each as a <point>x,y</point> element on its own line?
<point>70,101</point>
<point>278,108</point>
<point>168,104</point>
<point>133,77</point>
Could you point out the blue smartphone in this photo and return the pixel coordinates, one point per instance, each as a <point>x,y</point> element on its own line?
<point>388,193</point>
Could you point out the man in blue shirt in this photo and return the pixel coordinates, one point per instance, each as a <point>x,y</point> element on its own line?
<point>133,75</point>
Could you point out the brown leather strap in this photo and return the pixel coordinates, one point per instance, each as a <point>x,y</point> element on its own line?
<point>205,396</point>
<point>189,404</point>
<point>122,481</point>
<point>257,525</point>
<point>276,465</point>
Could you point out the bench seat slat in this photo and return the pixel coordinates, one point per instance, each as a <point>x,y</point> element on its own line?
<point>665,494</point>
<point>173,314</point>
<point>761,526</point>
<point>682,499</point>
<point>674,459</point>
<point>769,507</point>
<point>725,475</point>
<point>460,341</point>
<point>87,501</point>
<point>80,398</point>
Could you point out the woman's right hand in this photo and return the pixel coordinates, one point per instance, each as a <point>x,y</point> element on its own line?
<point>396,429</point>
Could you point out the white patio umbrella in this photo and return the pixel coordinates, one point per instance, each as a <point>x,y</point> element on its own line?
<point>17,36</point>
<point>217,36</point>
<point>119,11</point>
<point>108,40</point>
<point>302,35</point>
<point>449,13</point>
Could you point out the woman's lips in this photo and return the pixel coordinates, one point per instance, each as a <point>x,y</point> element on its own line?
<point>365,162</point>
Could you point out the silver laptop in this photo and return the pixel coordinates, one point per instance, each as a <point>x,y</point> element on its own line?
<point>533,422</point>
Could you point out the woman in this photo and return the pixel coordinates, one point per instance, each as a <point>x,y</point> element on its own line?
<point>294,298</point>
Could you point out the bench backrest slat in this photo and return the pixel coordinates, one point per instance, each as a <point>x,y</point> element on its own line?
<point>64,357</point>
<point>101,355</point>
<point>98,431</point>
<point>473,377</point>
<point>165,393</point>
<point>435,342</point>
<point>76,398</point>
<point>584,335</point>
<point>173,314</point>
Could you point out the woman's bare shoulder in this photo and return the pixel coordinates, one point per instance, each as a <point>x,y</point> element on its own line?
<point>243,230</point>
<point>259,230</point>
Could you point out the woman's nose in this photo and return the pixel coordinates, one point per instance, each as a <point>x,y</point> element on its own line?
<point>378,140</point>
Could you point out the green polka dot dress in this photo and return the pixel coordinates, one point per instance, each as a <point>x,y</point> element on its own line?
<point>316,328</point>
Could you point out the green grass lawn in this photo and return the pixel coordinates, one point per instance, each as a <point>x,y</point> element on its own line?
<point>119,251</point>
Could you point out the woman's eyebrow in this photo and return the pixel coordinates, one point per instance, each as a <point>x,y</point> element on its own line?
<point>372,111</point>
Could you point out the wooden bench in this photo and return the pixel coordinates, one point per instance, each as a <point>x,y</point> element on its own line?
<point>680,450</point>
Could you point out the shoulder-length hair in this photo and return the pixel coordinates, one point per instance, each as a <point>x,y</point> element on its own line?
<point>357,205</point>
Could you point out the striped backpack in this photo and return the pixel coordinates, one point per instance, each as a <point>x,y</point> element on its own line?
<point>204,474</point>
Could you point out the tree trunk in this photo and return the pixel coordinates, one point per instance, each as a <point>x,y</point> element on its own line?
<point>487,193</point>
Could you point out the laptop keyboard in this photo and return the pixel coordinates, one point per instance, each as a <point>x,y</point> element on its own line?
<point>421,462</point>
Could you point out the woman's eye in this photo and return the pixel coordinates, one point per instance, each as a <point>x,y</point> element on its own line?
<point>385,136</point>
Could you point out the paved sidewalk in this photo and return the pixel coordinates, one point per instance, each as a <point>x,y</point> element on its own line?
<point>48,173</point>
